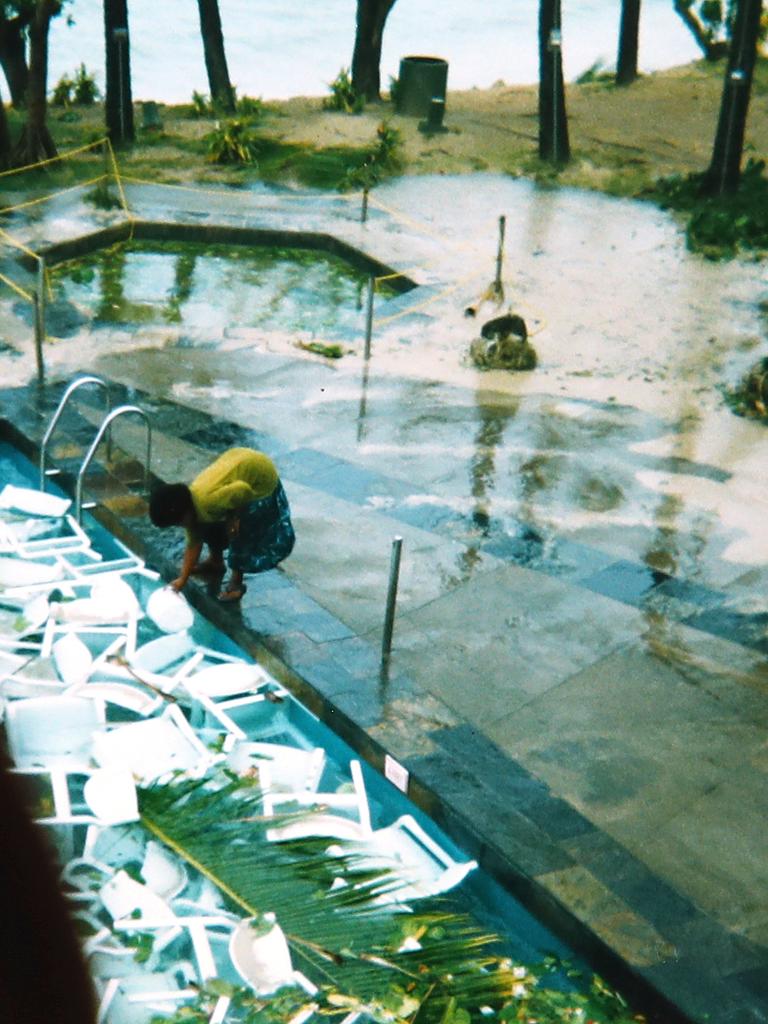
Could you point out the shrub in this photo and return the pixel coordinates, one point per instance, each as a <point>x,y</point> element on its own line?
<point>232,142</point>
<point>344,96</point>
<point>249,107</point>
<point>383,158</point>
<point>85,90</point>
<point>596,73</point>
<point>201,105</point>
<point>388,142</point>
<point>720,226</point>
<point>62,92</point>
<point>394,89</point>
<point>81,89</point>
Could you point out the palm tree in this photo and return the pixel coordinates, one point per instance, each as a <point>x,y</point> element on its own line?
<point>553,122</point>
<point>366,58</point>
<point>14,21</point>
<point>118,103</point>
<point>35,142</point>
<point>5,138</point>
<point>222,93</point>
<point>626,62</point>
<point>725,168</point>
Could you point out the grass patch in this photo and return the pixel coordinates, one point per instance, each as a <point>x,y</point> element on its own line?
<point>185,150</point>
<point>720,227</point>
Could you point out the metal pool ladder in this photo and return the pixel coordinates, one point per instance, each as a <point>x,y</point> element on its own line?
<point>74,386</point>
<point>122,410</point>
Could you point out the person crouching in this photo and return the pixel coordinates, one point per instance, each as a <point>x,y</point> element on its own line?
<point>237,505</point>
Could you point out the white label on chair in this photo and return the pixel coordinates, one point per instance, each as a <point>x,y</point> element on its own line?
<point>396,774</point>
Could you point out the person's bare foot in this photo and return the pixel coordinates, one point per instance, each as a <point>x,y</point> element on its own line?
<point>234,588</point>
<point>209,567</point>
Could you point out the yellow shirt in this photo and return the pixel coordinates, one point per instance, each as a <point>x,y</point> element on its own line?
<point>238,477</point>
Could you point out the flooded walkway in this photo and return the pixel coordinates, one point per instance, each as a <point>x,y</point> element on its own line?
<point>577,685</point>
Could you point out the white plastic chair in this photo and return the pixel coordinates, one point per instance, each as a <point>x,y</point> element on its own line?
<point>154,747</point>
<point>262,958</point>
<point>225,686</point>
<point>109,796</point>
<point>291,769</point>
<point>48,732</point>
<point>314,818</point>
<point>419,866</point>
<point>150,662</point>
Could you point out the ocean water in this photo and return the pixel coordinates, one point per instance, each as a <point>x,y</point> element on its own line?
<point>277,49</point>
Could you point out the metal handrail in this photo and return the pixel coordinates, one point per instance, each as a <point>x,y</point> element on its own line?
<point>57,416</point>
<point>122,410</point>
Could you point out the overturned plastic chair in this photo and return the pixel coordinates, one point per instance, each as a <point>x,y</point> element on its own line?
<point>53,732</point>
<point>312,814</point>
<point>108,797</point>
<point>414,862</point>
<point>290,769</point>
<point>153,748</point>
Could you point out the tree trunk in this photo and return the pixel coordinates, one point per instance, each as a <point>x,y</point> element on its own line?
<point>13,55</point>
<point>553,122</point>
<point>222,93</point>
<point>118,102</point>
<point>35,142</point>
<point>5,138</point>
<point>366,58</point>
<point>626,62</point>
<point>725,169</point>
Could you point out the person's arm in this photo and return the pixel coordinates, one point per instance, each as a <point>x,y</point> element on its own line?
<point>191,557</point>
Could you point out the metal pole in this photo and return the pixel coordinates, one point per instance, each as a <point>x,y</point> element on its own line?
<point>555,44</point>
<point>120,35</point>
<point>389,615</point>
<point>40,319</point>
<point>737,78</point>
<point>500,253</point>
<point>364,210</point>
<point>369,315</point>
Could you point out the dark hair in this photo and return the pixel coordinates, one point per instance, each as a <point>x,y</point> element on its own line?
<point>169,504</point>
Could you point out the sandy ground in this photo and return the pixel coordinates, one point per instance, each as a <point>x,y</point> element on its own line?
<point>663,124</point>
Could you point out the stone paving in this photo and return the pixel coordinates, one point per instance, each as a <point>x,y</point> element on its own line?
<point>587,721</point>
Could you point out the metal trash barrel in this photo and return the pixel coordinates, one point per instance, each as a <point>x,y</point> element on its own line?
<point>421,80</point>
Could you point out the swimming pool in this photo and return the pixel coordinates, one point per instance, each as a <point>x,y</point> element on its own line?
<point>277,719</point>
<point>209,287</point>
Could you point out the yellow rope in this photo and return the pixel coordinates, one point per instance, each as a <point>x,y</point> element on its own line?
<point>52,195</point>
<point>17,288</point>
<point>410,222</point>
<point>427,302</point>
<point>539,329</point>
<point>389,277</point>
<point>52,160</point>
<point>116,172</point>
<point>19,245</point>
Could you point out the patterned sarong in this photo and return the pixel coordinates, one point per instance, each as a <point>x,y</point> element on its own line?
<point>265,536</point>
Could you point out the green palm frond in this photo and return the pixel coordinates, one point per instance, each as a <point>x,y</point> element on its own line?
<point>339,935</point>
<point>395,966</point>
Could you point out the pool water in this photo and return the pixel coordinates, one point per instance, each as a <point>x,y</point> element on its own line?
<point>286,720</point>
<point>208,288</point>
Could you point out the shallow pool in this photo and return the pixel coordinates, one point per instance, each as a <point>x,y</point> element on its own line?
<point>211,287</point>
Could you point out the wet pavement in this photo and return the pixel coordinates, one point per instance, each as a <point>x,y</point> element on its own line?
<point>577,684</point>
